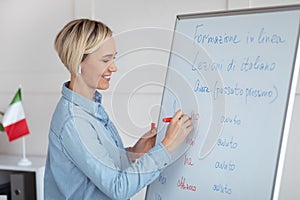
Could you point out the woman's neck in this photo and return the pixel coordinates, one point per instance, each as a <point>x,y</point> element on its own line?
<point>79,86</point>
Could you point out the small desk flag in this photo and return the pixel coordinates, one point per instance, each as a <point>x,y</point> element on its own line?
<point>14,121</point>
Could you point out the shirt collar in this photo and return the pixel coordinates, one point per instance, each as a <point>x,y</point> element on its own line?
<point>86,104</point>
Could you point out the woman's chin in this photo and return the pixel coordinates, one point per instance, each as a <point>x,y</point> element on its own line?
<point>103,87</point>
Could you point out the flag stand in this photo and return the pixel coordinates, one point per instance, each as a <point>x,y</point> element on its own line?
<point>24,161</point>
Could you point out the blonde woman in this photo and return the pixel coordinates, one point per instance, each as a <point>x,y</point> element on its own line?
<point>86,158</point>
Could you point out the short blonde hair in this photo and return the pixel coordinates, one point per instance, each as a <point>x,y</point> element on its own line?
<point>79,38</point>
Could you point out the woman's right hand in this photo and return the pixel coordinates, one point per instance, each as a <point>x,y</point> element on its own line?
<point>178,129</point>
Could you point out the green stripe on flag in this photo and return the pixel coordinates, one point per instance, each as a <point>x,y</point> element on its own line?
<point>17,97</point>
<point>1,127</point>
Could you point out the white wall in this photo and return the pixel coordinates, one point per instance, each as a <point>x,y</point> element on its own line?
<point>27,56</point>
<point>27,32</point>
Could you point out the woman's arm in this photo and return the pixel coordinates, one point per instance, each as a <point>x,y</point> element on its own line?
<point>91,153</point>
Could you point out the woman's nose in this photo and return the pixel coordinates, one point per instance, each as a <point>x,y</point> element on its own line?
<point>112,67</point>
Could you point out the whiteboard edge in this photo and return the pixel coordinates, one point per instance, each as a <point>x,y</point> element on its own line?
<point>239,11</point>
<point>287,124</point>
<point>170,53</point>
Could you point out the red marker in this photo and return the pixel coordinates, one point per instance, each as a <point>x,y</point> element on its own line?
<point>167,119</point>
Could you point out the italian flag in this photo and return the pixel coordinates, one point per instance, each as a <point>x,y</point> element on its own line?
<point>14,121</point>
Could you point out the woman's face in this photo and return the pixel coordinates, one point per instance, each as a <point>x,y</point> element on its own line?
<point>97,67</point>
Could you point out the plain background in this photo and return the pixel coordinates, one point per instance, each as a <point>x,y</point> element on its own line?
<point>28,29</point>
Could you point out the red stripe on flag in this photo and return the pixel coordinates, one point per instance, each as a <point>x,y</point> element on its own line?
<point>17,130</point>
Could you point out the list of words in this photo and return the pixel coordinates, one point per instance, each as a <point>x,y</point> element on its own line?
<point>235,88</point>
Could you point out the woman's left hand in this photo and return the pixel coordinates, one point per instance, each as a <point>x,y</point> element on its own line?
<point>143,145</point>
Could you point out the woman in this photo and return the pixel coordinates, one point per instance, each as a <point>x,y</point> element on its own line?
<point>86,158</point>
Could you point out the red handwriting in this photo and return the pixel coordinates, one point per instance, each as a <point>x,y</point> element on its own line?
<point>190,141</point>
<point>185,186</point>
<point>195,116</point>
<point>188,161</point>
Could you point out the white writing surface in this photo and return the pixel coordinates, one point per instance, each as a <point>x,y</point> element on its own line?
<point>232,73</point>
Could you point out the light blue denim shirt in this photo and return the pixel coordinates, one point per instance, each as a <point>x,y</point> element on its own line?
<point>86,158</point>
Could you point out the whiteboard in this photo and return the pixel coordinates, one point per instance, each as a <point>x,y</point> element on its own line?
<point>235,74</point>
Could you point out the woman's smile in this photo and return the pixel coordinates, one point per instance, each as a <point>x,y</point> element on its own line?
<point>106,77</point>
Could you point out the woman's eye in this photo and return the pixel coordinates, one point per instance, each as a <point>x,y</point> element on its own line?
<point>105,61</point>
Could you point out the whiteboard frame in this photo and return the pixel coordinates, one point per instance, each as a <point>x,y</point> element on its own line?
<point>292,85</point>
